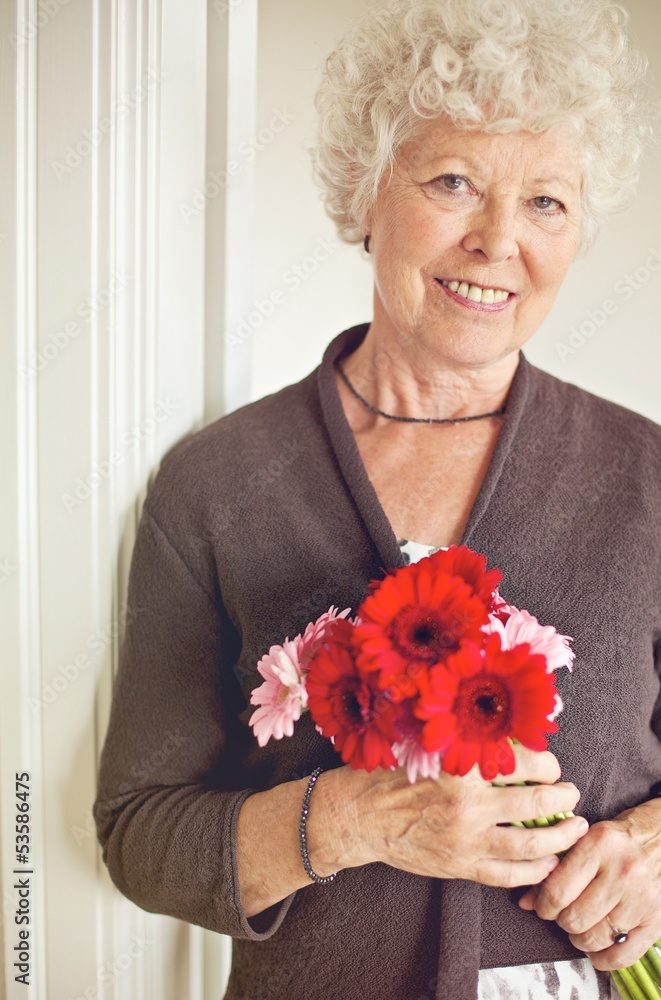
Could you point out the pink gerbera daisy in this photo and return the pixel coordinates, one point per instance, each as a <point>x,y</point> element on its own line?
<point>316,632</point>
<point>521,626</point>
<point>282,697</point>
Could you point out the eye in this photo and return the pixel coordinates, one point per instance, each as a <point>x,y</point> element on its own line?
<point>451,182</point>
<point>547,206</point>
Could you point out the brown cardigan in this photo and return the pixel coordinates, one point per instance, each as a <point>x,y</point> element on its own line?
<point>253,527</point>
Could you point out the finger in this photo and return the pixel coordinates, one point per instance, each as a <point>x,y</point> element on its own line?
<point>571,878</point>
<point>621,956</point>
<point>586,915</point>
<point>591,883</point>
<point>516,804</point>
<point>533,766</point>
<point>527,901</point>
<point>604,910</point>
<point>516,844</point>
<point>600,936</point>
<point>511,874</point>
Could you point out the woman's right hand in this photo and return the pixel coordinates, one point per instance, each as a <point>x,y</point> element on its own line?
<point>446,828</point>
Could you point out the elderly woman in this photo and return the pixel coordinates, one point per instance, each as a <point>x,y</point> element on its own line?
<point>473,146</point>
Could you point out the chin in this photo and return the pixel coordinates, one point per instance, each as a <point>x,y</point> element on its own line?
<point>472,352</point>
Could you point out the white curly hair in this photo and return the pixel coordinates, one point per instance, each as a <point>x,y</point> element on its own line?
<point>495,65</point>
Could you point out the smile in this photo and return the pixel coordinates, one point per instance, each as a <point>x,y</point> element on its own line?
<point>474,293</point>
<point>476,297</point>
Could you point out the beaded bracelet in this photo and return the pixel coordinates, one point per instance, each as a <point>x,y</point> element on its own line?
<point>302,832</point>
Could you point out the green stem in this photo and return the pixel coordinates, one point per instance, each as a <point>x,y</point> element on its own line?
<point>651,972</point>
<point>644,980</point>
<point>631,983</point>
<point>655,959</point>
<point>621,985</point>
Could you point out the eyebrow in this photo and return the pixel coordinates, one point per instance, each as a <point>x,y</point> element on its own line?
<point>562,181</point>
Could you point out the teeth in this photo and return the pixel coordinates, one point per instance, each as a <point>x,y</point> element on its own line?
<point>474,293</point>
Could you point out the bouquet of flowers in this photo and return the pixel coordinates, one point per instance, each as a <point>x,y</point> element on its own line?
<point>435,673</point>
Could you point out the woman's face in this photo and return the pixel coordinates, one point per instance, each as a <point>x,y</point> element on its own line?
<point>472,238</point>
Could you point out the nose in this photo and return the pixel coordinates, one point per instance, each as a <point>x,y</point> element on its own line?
<point>492,231</point>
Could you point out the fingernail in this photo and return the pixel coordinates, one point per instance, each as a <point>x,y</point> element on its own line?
<point>583,825</point>
<point>553,863</point>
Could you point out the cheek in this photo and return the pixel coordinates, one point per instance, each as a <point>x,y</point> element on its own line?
<point>417,238</point>
<point>548,262</point>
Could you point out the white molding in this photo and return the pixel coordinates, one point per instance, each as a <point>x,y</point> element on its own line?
<point>20,738</point>
<point>230,199</point>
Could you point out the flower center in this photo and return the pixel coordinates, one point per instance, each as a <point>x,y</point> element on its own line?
<point>483,707</point>
<point>356,706</point>
<point>420,634</point>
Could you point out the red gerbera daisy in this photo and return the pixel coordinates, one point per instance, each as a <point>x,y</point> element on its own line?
<point>461,561</point>
<point>414,619</point>
<point>348,707</point>
<point>479,700</point>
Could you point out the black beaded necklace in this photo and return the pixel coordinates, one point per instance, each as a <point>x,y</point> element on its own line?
<point>414,420</point>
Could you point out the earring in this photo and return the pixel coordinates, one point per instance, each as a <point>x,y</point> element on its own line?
<point>366,243</point>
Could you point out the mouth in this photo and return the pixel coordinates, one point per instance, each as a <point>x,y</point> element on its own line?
<point>476,293</point>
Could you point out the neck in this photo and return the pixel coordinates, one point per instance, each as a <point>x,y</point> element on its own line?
<point>402,377</point>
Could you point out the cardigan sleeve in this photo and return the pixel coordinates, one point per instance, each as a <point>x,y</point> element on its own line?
<point>166,808</point>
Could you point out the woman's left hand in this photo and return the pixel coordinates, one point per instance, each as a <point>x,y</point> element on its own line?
<point>613,871</point>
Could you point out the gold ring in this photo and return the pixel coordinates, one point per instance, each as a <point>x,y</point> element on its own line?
<point>619,937</point>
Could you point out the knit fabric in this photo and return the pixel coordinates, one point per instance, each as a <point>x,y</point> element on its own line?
<point>256,525</point>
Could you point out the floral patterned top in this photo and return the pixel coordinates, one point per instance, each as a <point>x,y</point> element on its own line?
<point>573,980</point>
